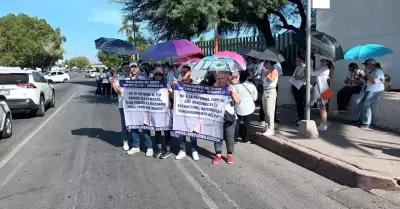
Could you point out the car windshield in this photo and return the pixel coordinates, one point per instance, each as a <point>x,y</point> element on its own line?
<point>13,78</point>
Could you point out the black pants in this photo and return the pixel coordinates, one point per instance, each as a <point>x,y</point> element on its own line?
<point>106,88</point>
<point>242,127</point>
<point>229,138</point>
<point>300,99</point>
<point>276,103</point>
<point>163,145</point>
<point>98,90</point>
<point>344,96</point>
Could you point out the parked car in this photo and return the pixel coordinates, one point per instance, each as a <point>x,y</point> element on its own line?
<point>57,77</point>
<point>5,119</point>
<point>27,91</point>
<point>90,74</point>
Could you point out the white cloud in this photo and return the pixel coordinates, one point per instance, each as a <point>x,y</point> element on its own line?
<point>110,17</point>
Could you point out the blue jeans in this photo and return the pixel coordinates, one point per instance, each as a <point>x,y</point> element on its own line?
<point>147,139</point>
<point>365,100</point>
<point>133,134</point>
<point>193,143</point>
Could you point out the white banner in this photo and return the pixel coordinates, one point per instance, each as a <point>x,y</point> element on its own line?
<point>199,111</point>
<point>146,105</point>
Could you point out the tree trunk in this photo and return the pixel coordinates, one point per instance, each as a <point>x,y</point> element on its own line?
<point>264,26</point>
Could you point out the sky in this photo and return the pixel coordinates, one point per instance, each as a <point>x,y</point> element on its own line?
<point>81,21</point>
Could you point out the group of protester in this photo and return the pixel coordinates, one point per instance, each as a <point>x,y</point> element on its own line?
<point>243,92</point>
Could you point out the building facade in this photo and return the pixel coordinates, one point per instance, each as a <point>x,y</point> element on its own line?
<point>354,22</point>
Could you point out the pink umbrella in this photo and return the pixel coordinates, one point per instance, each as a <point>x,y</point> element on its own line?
<point>233,55</point>
<point>185,59</point>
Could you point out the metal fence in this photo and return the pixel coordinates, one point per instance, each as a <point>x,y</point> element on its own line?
<point>284,44</point>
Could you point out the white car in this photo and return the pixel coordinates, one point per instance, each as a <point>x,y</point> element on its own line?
<point>27,91</point>
<point>57,77</point>
<point>5,119</point>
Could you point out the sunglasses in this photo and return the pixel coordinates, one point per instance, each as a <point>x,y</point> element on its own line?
<point>158,74</point>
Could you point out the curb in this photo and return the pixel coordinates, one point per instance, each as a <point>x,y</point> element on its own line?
<point>329,167</point>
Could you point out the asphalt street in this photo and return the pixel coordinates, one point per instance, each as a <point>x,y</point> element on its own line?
<point>72,158</point>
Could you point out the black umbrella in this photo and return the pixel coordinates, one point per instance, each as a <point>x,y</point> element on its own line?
<point>248,52</point>
<point>270,55</point>
<point>115,46</point>
<point>321,44</point>
<point>102,40</point>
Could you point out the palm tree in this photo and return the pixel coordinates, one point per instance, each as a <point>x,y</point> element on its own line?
<point>129,28</point>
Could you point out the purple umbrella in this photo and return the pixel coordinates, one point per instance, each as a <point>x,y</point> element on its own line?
<point>170,49</point>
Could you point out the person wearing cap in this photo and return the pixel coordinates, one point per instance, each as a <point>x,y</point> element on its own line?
<point>161,152</point>
<point>321,77</point>
<point>372,91</point>
<point>130,72</point>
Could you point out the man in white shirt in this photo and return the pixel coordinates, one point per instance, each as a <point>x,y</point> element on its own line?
<point>105,83</point>
<point>98,82</point>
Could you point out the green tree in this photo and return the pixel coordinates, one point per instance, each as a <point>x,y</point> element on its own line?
<point>79,62</point>
<point>174,19</point>
<point>108,59</point>
<point>29,42</point>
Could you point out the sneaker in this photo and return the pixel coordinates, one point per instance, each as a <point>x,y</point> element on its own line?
<point>126,146</point>
<point>133,151</point>
<point>149,153</point>
<point>229,159</point>
<point>165,155</point>
<point>261,123</point>
<point>217,159</point>
<point>365,127</point>
<point>180,155</point>
<point>322,127</point>
<point>195,155</point>
<point>157,154</point>
<point>268,133</point>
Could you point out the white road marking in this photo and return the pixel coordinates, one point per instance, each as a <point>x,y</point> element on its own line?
<point>13,172</point>
<point>208,178</point>
<point>197,186</point>
<point>30,136</point>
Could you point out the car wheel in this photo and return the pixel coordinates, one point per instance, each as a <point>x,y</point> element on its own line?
<point>50,81</point>
<point>40,112</point>
<point>65,80</point>
<point>53,100</point>
<point>7,127</point>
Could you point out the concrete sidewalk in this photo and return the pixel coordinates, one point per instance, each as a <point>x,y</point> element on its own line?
<point>345,154</point>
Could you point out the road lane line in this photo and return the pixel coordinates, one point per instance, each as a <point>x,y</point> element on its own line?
<point>30,136</point>
<point>13,172</point>
<point>208,178</point>
<point>197,186</point>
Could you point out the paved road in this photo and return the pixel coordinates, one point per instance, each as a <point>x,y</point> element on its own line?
<point>71,158</point>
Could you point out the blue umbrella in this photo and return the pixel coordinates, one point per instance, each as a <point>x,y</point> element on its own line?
<point>366,51</point>
<point>115,46</point>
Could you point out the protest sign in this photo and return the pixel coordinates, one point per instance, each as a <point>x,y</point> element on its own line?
<point>199,111</point>
<point>146,105</point>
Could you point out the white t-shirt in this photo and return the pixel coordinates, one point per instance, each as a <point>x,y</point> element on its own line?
<point>105,77</point>
<point>123,77</point>
<point>379,85</point>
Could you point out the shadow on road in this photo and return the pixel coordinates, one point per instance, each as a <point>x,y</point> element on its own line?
<point>96,99</point>
<point>111,137</point>
<point>85,83</point>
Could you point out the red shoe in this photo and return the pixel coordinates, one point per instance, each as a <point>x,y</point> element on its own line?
<point>217,159</point>
<point>229,159</point>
